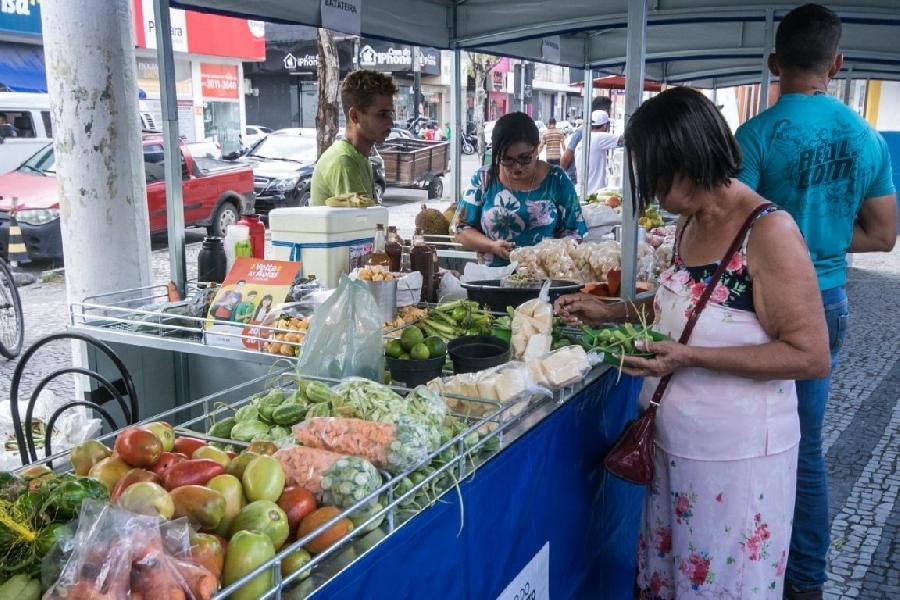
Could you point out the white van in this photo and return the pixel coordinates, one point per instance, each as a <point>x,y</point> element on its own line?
<point>29,115</point>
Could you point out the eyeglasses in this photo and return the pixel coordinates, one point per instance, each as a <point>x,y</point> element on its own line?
<point>522,159</point>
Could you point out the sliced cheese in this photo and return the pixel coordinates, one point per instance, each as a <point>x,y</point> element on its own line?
<point>510,383</point>
<point>535,368</point>
<point>487,387</point>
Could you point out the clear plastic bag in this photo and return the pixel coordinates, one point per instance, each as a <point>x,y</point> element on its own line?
<point>333,478</point>
<point>119,555</point>
<point>344,337</point>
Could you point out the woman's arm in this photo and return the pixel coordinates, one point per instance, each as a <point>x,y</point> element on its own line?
<point>789,307</point>
<point>576,309</point>
<point>473,239</point>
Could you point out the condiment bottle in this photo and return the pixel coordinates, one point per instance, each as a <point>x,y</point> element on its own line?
<point>211,263</point>
<point>394,247</point>
<point>379,256</point>
<point>421,259</point>
<point>257,234</point>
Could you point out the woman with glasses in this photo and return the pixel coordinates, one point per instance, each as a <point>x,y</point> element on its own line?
<point>518,200</point>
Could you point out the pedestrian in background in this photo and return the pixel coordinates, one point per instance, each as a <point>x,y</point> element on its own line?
<point>554,141</point>
<point>568,159</point>
<point>815,157</point>
<point>599,145</point>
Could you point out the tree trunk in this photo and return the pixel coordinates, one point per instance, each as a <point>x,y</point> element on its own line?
<point>481,65</point>
<point>329,85</point>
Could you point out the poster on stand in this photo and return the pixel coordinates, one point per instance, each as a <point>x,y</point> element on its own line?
<point>251,289</point>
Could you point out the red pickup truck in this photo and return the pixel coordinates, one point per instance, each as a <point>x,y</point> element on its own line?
<point>215,193</point>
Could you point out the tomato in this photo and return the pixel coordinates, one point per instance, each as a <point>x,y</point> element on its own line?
<point>263,479</point>
<point>207,551</point>
<point>165,433</point>
<point>296,502</point>
<point>191,472</point>
<point>132,476</point>
<point>166,460</point>
<point>330,536</point>
<point>265,517</point>
<point>187,445</point>
<point>262,447</point>
<point>295,561</point>
<point>231,454</point>
<point>237,465</point>
<point>147,498</point>
<point>246,551</point>
<point>220,456</point>
<point>138,447</point>
<point>87,454</point>
<point>204,508</point>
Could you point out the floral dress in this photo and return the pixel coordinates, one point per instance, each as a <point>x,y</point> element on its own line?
<point>717,517</point>
<point>551,210</point>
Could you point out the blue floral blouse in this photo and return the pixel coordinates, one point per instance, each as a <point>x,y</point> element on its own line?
<point>525,218</point>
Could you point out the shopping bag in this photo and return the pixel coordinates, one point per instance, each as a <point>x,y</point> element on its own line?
<point>344,336</point>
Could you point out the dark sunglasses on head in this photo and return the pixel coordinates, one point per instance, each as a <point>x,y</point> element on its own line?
<point>522,159</point>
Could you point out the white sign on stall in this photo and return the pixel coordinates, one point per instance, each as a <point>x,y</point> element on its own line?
<point>342,15</point>
<point>533,581</point>
<point>550,49</point>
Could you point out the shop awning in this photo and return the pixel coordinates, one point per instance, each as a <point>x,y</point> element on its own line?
<point>22,68</point>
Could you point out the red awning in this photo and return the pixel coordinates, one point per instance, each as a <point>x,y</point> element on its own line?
<point>617,82</point>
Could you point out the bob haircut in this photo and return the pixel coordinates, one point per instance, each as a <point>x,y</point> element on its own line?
<point>679,132</point>
<point>510,129</point>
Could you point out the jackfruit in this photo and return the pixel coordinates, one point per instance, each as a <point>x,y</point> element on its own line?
<point>432,222</point>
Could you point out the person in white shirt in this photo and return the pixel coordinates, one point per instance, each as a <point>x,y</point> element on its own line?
<point>601,141</point>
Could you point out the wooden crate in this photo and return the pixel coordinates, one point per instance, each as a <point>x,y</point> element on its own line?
<point>409,162</point>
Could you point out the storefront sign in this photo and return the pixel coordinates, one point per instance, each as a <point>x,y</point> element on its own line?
<point>550,49</point>
<point>219,81</point>
<point>300,62</point>
<point>532,582</point>
<point>22,17</point>
<point>179,27</point>
<point>342,15</point>
<point>148,77</point>
<point>384,56</point>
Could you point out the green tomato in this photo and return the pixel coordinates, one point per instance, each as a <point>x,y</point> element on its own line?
<point>263,479</point>
<point>265,517</point>
<point>419,352</point>
<point>246,551</point>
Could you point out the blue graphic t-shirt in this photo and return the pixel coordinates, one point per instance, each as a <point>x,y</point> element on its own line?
<point>549,211</point>
<point>820,161</point>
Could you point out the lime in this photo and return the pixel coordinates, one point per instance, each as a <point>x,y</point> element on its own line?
<point>393,348</point>
<point>419,352</point>
<point>410,337</point>
<point>436,346</point>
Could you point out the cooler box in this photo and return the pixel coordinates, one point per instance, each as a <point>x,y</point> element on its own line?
<point>328,241</point>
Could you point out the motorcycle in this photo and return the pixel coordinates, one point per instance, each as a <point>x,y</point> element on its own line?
<point>469,143</point>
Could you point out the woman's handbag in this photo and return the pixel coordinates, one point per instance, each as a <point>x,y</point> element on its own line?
<point>631,457</point>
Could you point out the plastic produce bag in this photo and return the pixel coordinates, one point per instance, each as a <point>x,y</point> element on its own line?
<point>409,289</point>
<point>532,326</point>
<point>451,289</point>
<point>344,337</point>
<point>560,368</point>
<point>393,447</point>
<point>476,272</point>
<point>334,479</point>
<point>119,555</point>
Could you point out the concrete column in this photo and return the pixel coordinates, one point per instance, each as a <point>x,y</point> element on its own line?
<point>456,126</point>
<point>89,52</point>
<point>765,74</point>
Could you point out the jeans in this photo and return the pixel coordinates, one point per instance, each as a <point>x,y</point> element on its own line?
<point>811,533</point>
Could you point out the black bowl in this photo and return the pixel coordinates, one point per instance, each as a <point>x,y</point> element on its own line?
<point>415,372</point>
<point>490,292</point>
<point>471,353</point>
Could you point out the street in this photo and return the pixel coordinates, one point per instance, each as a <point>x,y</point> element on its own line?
<point>862,428</point>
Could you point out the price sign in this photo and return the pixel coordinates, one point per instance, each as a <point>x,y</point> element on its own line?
<point>533,581</point>
<point>550,49</point>
<point>342,15</point>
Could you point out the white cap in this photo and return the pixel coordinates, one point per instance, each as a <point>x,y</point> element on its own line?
<point>598,118</point>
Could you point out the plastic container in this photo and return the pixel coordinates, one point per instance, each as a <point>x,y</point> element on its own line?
<point>385,294</point>
<point>471,353</point>
<point>415,372</point>
<point>234,234</point>
<point>212,265</point>
<point>329,241</point>
<point>257,234</point>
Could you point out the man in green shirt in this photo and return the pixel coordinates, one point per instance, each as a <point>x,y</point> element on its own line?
<point>368,100</point>
<point>243,312</point>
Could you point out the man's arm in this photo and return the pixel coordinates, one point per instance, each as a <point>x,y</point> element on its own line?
<point>751,157</point>
<point>543,143</point>
<point>875,229</point>
<point>569,155</point>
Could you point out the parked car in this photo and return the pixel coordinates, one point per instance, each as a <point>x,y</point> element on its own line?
<point>214,192</point>
<point>29,114</point>
<point>283,165</point>
<point>252,134</point>
<point>207,149</point>
<point>399,133</point>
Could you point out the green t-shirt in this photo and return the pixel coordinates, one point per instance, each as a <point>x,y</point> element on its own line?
<point>340,170</point>
<point>243,312</point>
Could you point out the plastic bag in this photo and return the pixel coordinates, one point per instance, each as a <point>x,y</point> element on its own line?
<point>394,447</point>
<point>560,368</point>
<point>476,272</point>
<point>333,478</point>
<point>451,289</point>
<point>344,338</point>
<point>409,289</point>
<point>120,555</point>
<point>532,326</point>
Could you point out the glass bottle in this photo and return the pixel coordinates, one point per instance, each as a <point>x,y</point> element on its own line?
<point>404,260</point>
<point>379,256</point>
<point>421,259</point>
<point>394,247</point>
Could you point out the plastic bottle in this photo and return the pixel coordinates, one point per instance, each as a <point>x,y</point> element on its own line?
<point>211,262</point>
<point>394,248</point>
<point>421,259</point>
<point>235,235</point>
<point>379,256</point>
<point>257,234</point>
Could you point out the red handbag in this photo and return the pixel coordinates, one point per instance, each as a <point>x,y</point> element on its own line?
<point>631,457</point>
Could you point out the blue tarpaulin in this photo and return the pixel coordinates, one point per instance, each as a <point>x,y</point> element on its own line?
<point>548,488</point>
<point>22,68</point>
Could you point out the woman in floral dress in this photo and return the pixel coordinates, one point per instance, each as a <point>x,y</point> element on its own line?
<point>717,516</point>
<point>518,200</point>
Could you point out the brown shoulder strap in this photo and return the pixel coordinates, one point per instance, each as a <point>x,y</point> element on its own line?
<point>707,292</point>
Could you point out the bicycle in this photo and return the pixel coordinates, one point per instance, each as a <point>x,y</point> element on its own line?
<point>12,320</point>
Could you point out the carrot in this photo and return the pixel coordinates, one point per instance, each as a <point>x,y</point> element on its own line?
<point>305,466</point>
<point>152,577</point>
<point>356,437</point>
<point>200,581</point>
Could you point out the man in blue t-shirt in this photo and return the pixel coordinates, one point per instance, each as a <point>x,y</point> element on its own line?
<point>568,158</point>
<point>822,162</point>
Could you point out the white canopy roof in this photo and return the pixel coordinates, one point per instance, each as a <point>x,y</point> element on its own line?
<point>698,42</point>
